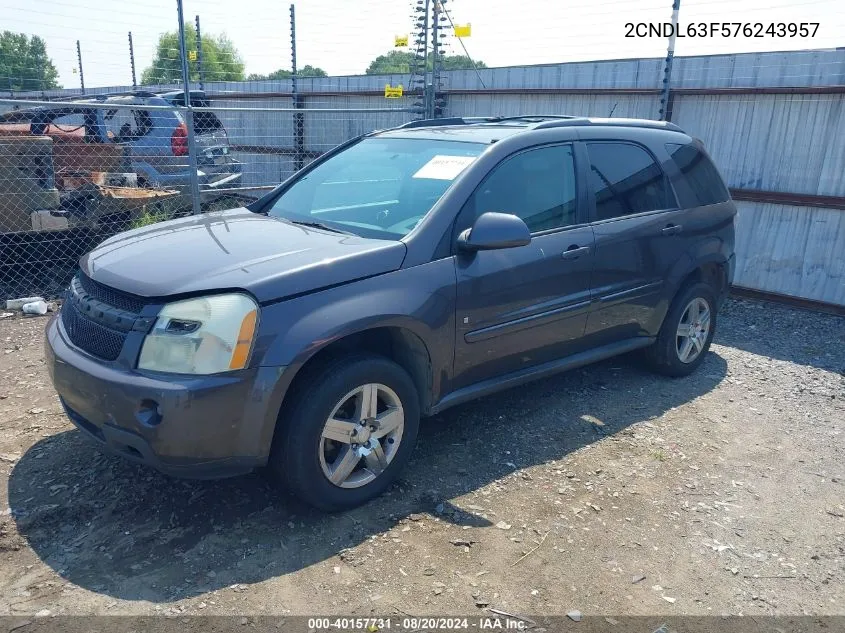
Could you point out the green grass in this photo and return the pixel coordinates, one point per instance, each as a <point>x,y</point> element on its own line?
<point>148,218</point>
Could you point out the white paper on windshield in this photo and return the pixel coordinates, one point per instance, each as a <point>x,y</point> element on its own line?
<point>444,167</point>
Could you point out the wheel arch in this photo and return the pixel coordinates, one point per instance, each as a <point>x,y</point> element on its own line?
<point>712,270</point>
<point>398,343</point>
<point>395,340</point>
<point>709,265</point>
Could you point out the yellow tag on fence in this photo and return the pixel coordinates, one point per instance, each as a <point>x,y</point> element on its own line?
<point>463,30</point>
<point>400,41</point>
<point>192,56</point>
<point>391,92</point>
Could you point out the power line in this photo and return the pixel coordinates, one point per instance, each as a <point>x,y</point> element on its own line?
<point>466,52</point>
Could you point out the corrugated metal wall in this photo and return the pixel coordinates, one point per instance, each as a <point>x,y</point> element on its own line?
<point>794,251</point>
<point>793,143</point>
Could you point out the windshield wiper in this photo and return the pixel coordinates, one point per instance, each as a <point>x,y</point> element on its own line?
<point>319,225</point>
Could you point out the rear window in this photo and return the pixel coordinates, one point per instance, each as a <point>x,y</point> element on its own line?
<point>204,122</point>
<point>703,179</point>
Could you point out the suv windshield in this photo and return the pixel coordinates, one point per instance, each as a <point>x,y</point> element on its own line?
<point>380,187</point>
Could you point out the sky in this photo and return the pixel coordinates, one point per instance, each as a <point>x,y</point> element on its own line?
<point>343,36</point>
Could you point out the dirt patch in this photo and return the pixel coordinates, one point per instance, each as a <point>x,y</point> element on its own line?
<point>605,490</point>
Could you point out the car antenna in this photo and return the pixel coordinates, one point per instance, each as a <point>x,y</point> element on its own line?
<point>610,116</point>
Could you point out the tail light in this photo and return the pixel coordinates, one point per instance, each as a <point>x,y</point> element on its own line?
<point>179,140</point>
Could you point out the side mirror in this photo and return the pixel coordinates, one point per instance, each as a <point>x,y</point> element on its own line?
<point>493,231</point>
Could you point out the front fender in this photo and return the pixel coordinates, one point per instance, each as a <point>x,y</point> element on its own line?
<point>420,299</point>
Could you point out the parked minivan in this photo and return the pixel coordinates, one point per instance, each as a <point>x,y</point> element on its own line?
<point>402,273</point>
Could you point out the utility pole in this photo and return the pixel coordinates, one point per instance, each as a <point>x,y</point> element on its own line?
<point>132,62</point>
<point>298,117</point>
<point>199,55</point>
<point>666,97</point>
<point>189,114</point>
<point>79,60</point>
<point>428,58</point>
<point>418,79</point>
<point>427,100</point>
<point>435,58</point>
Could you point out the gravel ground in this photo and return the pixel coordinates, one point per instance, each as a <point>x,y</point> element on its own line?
<point>607,490</point>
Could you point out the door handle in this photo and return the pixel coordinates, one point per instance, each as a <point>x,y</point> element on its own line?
<point>575,251</point>
<point>672,229</point>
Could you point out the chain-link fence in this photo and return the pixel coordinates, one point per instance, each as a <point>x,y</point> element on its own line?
<point>74,172</point>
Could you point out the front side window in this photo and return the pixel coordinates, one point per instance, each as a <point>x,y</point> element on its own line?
<point>69,122</point>
<point>379,187</point>
<point>537,185</point>
<point>67,125</point>
<point>626,180</point>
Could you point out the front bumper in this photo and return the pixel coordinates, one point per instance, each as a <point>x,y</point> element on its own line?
<point>202,427</point>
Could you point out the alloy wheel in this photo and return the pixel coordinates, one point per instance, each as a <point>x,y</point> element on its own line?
<point>361,436</point>
<point>693,330</point>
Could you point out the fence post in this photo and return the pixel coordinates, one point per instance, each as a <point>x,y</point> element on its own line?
<point>199,55</point>
<point>666,97</point>
<point>189,115</point>
<point>298,117</point>
<point>132,62</point>
<point>79,59</point>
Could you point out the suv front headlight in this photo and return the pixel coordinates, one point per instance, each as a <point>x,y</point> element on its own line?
<point>207,335</point>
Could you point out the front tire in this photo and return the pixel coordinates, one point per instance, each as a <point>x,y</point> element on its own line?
<point>686,333</point>
<point>344,439</point>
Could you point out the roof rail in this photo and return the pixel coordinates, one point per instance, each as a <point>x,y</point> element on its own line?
<point>528,118</point>
<point>542,121</point>
<point>439,122</point>
<point>533,117</point>
<point>640,123</point>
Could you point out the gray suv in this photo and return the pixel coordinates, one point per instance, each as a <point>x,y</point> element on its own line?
<point>402,273</point>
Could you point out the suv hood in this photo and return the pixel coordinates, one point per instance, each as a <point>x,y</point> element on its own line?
<point>269,257</point>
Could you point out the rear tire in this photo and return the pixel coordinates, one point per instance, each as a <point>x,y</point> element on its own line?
<point>346,436</point>
<point>686,333</point>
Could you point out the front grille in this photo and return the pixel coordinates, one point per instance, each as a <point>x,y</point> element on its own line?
<point>110,296</point>
<point>90,336</point>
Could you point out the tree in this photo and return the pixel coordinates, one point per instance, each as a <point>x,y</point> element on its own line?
<point>220,59</point>
<point>460,62</point>
<point>401,62</point>
<point>306,71</point>
<point>395,62</point>
<point>24,64</point>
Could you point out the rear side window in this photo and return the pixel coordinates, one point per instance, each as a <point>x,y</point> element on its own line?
<point>626,180</point>
<point>123,126</point>
<point>700,174</point>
